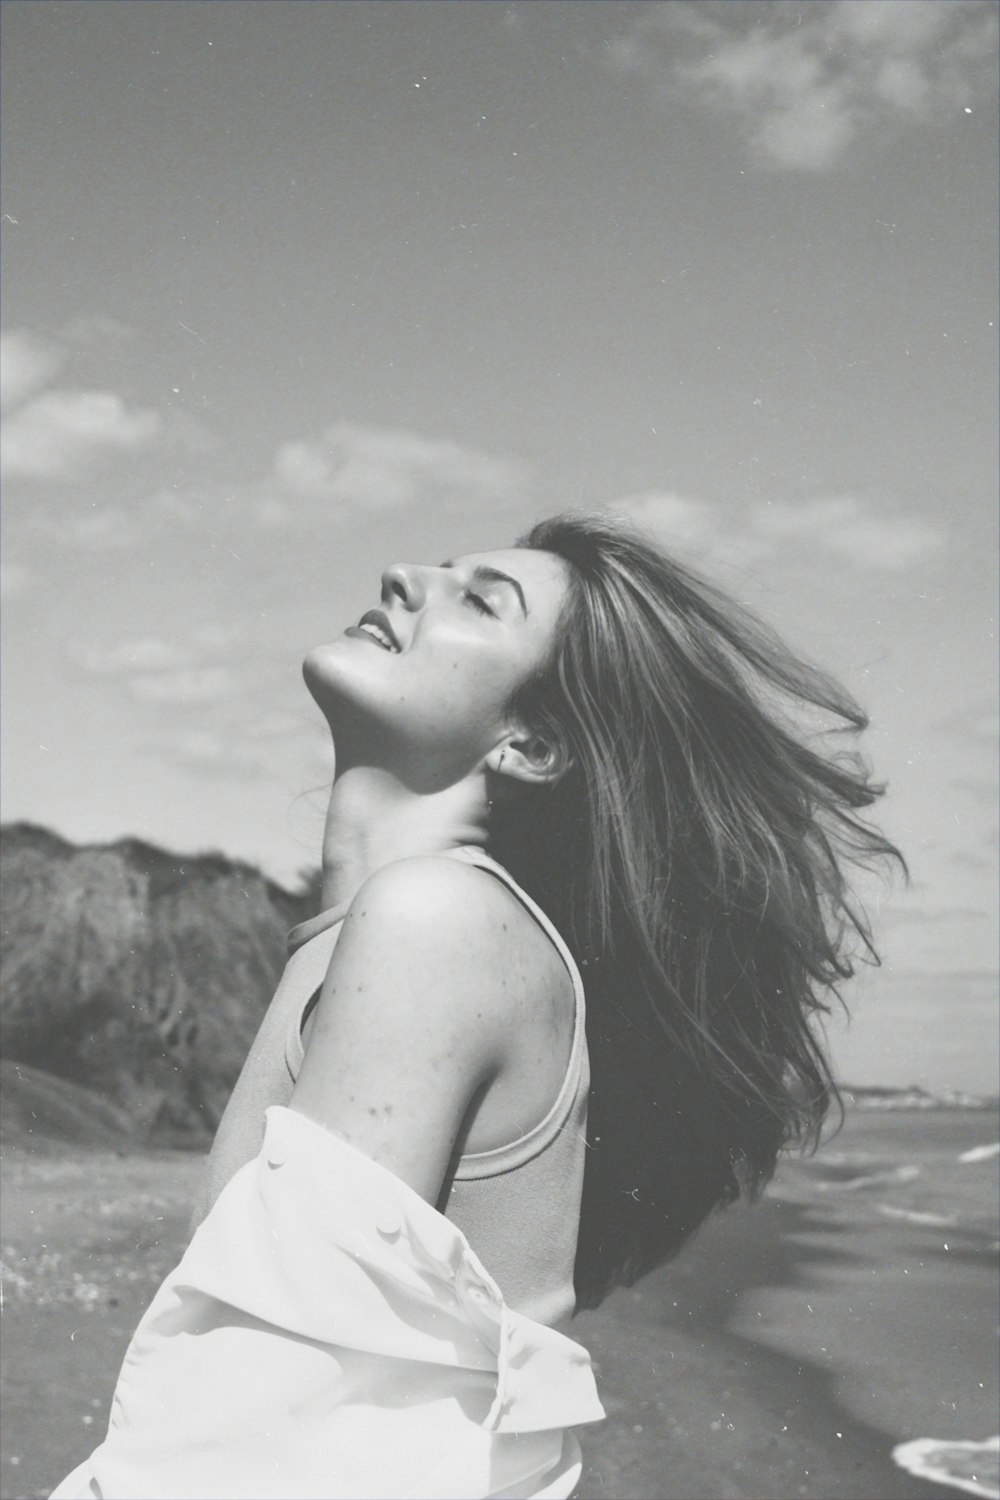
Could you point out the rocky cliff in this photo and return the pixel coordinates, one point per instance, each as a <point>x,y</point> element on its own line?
<point>139,974</point>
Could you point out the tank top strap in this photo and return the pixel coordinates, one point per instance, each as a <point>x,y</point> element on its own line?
<point>535,1140</point>
<point>473,855</point>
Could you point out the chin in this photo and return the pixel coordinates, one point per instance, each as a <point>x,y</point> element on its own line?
<point>340,677</point>
<point>319,670</point>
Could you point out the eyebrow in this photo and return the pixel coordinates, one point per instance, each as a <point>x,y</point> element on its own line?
<point>483,573</point>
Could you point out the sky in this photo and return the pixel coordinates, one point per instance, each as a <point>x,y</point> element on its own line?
<point>295,290</point>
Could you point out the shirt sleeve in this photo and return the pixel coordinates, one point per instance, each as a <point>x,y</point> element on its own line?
<point>328,1333</point>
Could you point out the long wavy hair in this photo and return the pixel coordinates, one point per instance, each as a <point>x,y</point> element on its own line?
<point>696,856</point>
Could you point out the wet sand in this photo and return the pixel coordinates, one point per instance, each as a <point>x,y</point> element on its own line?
<point>784,1355</point>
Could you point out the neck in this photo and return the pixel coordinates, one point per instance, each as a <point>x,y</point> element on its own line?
<point>374,819</point>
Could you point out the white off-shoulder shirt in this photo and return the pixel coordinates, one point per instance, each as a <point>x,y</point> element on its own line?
<point>329,1334</point>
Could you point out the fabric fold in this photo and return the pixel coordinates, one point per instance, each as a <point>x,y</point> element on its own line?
<point>329,1333</point>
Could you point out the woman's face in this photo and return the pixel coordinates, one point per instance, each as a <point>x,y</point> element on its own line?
<point>425,679</point>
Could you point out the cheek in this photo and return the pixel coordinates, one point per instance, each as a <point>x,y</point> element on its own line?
<point>466,692</point>
<point>486,684</point>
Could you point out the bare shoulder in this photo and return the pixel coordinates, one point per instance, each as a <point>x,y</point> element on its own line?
<point>416,1013</point>
<point>425,933</point>
<point>411,892</point>
<point>465,925</point>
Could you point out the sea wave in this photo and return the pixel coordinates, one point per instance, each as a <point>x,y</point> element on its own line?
<point>974,1467</point>
<point>890,1177</point>
<point>936,1221</point>
<point>981,1153</point>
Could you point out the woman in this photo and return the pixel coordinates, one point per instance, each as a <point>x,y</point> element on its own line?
<point>572,758</point>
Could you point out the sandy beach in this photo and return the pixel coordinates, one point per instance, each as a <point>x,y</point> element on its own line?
<point>786,1353</point>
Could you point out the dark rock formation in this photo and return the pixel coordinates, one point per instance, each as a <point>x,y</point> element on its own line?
<point>139,974</point>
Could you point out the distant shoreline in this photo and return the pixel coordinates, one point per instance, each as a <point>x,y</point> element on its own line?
<point>914,1097</point>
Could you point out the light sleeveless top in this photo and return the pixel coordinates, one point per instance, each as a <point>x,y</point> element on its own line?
<point>518,1205</point>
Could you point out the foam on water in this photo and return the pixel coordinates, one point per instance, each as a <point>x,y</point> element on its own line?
<point>974,1467</point>
<point>936,1221</point>
<point>981,1153</point>
<point>891,1175</point>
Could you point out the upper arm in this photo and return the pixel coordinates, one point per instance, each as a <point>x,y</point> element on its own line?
<point>410,1020</point>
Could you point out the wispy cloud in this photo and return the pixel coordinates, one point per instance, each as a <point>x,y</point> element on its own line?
<point>94,527</point>
<point>60,434</point>
<point>155,671</point>
<point>348,471</point>
<point>352,467</point>
<point>977,724</point>
<point>804,81</point>
<point>215,727</point>
<point>94,336</point>
<point>188,685</point>
<point>966,860</point>
<point>246,744</point>
<point>146,655</point>
<point>872,537</point>
<point>26,363</point>
<point>209,752</point>
<point>982,789</point>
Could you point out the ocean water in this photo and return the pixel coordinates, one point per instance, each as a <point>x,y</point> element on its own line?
<point>932,1167</point>
<point>902,1211</point>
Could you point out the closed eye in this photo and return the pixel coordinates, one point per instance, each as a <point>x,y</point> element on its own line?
<point>478,602</point>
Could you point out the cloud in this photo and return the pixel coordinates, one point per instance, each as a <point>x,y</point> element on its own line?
<point>95,336</point>
<point>971,861</point>
<point>976,723</point>
<point>186,685</point>
<point>59,434</point>
<point>248,744</point>
<point>278,726</point>
<point>353,467</point>
<point>981,789</point>
<point>54,434</point>
<point>155,671</point>
<point>105,528</point>
<point>26,363</point>
<point>803,81</point>
<point>692,523</point>
<point>348,470</point>
<point>145,655</point>
<point>881,541</point>
<point>209,752</point>
<point>874,538</point>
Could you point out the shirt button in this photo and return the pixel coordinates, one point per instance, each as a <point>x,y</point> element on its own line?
<point>388,1221</point>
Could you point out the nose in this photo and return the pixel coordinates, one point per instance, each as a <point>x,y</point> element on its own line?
<point>406,582</point>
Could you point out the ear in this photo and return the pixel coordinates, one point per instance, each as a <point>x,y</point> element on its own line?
<point>529,758</point>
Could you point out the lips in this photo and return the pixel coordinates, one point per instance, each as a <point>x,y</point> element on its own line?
<point>375,624</point>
